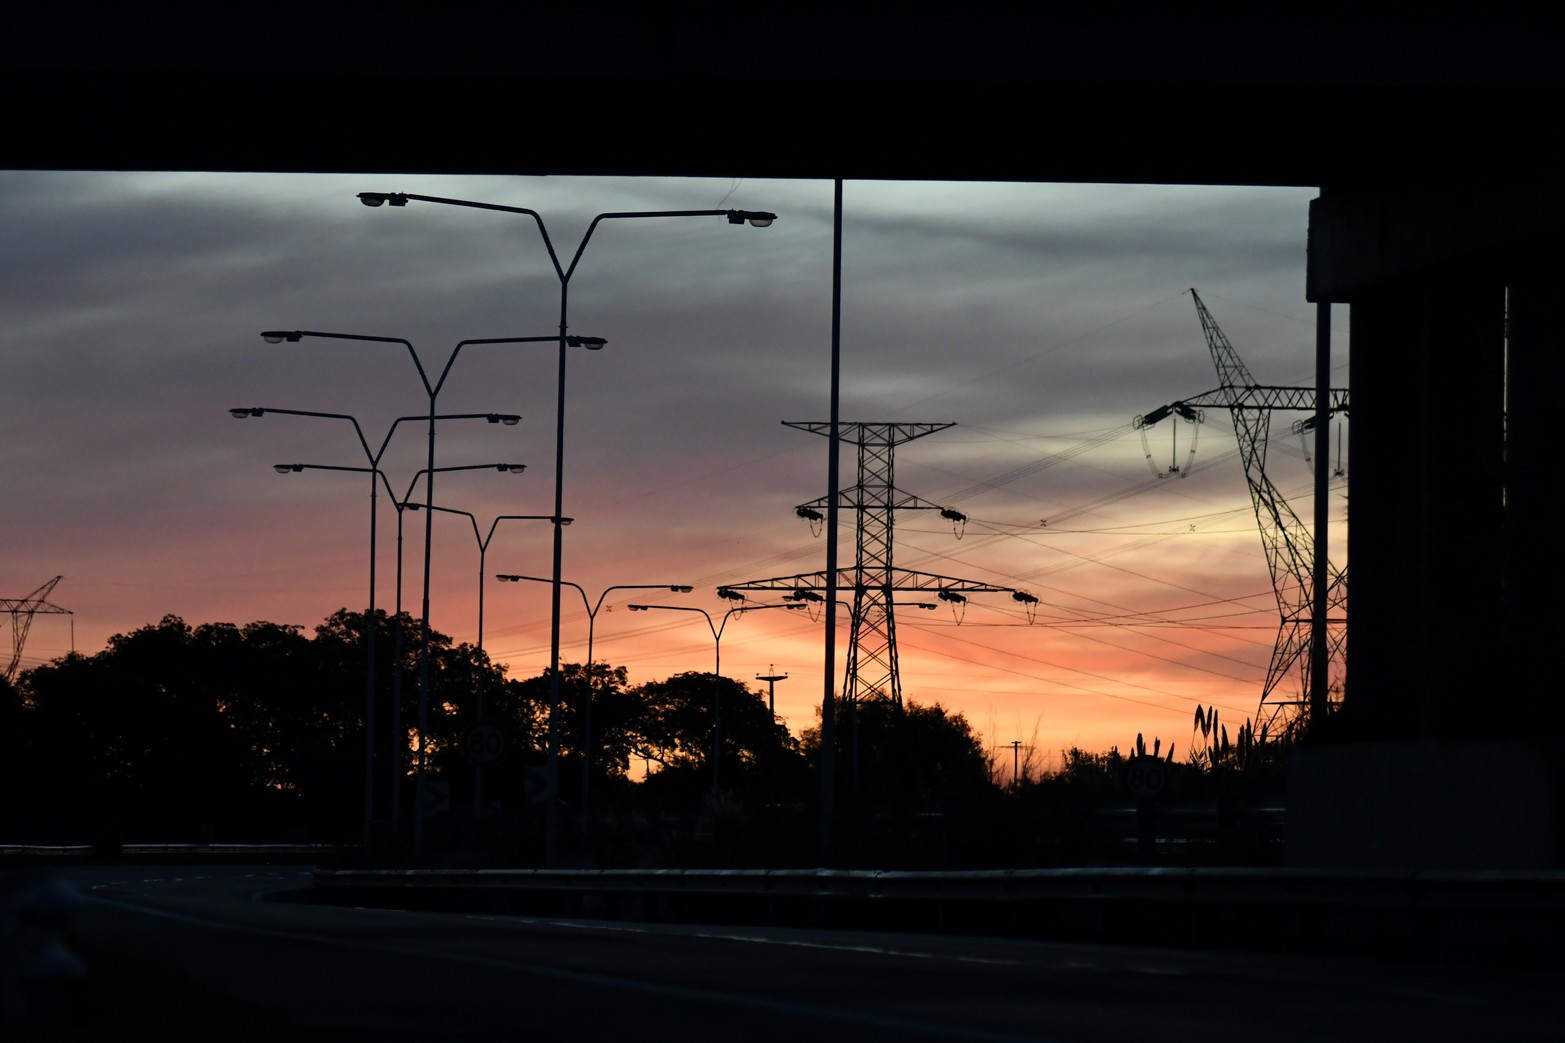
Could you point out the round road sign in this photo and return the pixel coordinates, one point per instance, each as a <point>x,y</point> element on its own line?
<point>1145,776</point>
<point>484,743</point>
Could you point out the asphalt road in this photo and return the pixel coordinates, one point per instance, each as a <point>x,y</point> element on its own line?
<point>385,975</point>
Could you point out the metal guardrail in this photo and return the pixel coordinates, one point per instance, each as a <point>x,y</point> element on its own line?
<point>1464,916</point>
<point>1433,889</point>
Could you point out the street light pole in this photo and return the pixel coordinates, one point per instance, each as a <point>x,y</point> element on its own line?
<point>483,551</point>
<point>717,664</point>
<point>373,457</point>
<point>399,743</point>
<point>828,828</point>
<point>373,625</point>
<point>432,389</point>
<point>592,620</point>
<point>757,219</point>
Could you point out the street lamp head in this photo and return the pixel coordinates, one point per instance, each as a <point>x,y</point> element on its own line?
<point>756,218</point>
<point>513,468</point>
<point>563,521</point>
<point>379,198</point>
<point>638,608</point>
<point>590,343</point>
<point>287,468</point>
<point>508,419</point>
<point>278,336</point>
<point>509,579</point>
<point>242,412</point>
<point>681,588</point>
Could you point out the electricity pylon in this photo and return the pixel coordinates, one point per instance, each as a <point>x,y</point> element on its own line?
<point>874,579</point>
<point>1290,553</point>
<point>22,611</point>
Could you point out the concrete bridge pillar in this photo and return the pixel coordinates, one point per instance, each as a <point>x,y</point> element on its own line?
<point>1454,567</point>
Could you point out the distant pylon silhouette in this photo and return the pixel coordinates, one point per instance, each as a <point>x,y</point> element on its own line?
<point>22,611</point>
<point>872,670</point>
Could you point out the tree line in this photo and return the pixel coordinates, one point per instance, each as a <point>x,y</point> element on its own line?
<point>256,733</point>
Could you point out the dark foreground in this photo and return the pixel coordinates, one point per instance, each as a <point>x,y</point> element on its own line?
<point>191,953</point>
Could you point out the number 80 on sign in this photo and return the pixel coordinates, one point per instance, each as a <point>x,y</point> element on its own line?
<point>484,743</point>
<point>1145,776</point>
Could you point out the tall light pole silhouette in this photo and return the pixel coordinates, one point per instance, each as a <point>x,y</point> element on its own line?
<point>432,390</point>
<point>399,741</point>
<point>756,218</point>
<point>483,551</point>
<point>373,458</point>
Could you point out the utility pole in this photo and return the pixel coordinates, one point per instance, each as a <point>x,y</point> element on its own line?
<point>771,680</point>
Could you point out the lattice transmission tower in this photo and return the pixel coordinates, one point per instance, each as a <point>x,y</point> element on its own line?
<point>874,579</point>
<point>22,611</point>
<point>1290,548</point>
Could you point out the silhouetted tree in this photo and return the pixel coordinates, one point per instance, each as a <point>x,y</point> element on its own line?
<point>674,728</point>
<point>910,755</point>
<point>139,731</point>
<point>912,782</point>
<point>257,729</point>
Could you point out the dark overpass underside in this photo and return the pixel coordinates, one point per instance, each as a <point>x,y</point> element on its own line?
<point>1124,92</point>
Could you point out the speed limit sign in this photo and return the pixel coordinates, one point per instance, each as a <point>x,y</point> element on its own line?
<point>484,743</point>
<point>1144,776</point>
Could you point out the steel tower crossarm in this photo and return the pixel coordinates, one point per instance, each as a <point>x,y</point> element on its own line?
<point>22,611</point>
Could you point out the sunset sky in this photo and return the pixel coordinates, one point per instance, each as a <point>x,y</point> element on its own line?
<point>1040,319</point>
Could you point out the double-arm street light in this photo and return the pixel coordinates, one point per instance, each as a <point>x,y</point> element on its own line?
<point>373,458</point>
<point>432,389</point>
<point>401,505</point>
<point>717,664</point>
<point>483,551</point>
<point>756,218</point>
<point>399,740</point>
<point>592,619</point>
